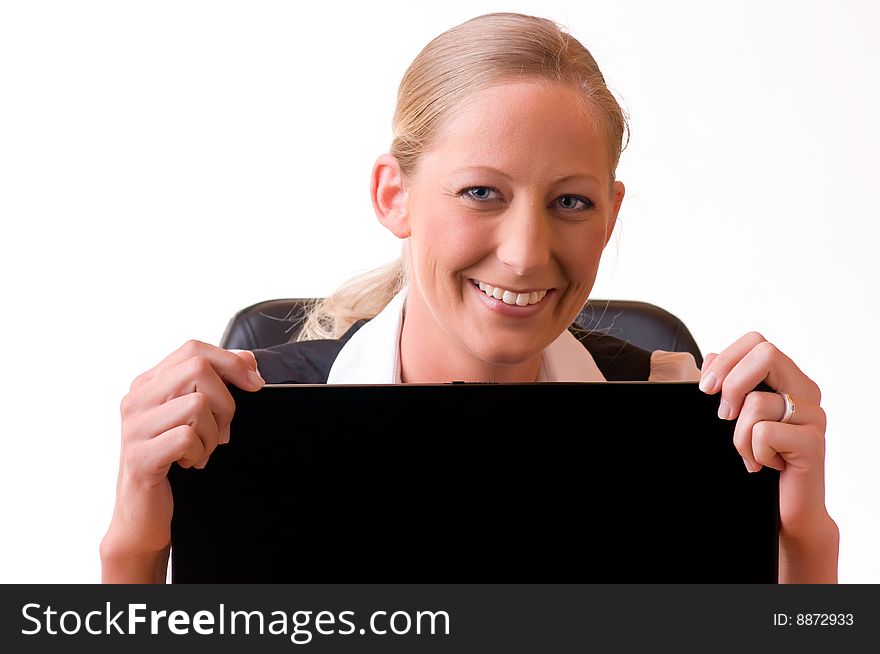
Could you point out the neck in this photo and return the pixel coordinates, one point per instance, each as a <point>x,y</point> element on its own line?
<point>429,355</point>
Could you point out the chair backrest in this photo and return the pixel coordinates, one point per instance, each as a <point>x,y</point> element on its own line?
<point>273,322</point>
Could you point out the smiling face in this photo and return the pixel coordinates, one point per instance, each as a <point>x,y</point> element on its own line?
<point>507,215</point>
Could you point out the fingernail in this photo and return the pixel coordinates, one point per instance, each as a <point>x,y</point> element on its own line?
<point>225,434</point>
<point>749,466</point>
<point>255,379</point>
<point>724,410</point>
<point>708,383</point>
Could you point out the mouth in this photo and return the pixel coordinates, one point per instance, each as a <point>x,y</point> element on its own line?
<point>512,297</point>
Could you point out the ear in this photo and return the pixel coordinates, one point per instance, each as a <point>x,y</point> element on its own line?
<point>390,196</point>
<point>617,192</point>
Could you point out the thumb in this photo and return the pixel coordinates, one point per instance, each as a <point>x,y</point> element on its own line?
<point>707,361</point>
<point>248,357</point>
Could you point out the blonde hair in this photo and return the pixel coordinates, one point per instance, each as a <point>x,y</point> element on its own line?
<point>482,52</point>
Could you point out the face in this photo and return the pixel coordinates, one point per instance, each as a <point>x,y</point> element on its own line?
<point>507,216</point>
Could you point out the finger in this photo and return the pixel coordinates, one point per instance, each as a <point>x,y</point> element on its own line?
<point>757,407</point>
<point>760,407</point>
<point>713,375</point>
<point>707,361</point>
<point>192,410</point>
<point>763,360</point>
<point>801,446</point>
<point>181,444</point>
<point>763,363</point>
<point>231,367</point>
<point>194,375</point>
<point>224,434</point>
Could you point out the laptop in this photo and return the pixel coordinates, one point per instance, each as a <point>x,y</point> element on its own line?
<point>605,482</point>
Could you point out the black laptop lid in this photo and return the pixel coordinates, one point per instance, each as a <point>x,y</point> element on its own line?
<point>553,482</point>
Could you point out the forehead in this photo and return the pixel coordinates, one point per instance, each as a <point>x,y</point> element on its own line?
<point>526,127</point>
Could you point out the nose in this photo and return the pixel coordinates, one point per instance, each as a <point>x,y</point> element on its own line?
<point>524,239</point>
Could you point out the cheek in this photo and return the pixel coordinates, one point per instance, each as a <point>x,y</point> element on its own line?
<point>580,255</point>
<point>580,262</point>
<point>446,244</point>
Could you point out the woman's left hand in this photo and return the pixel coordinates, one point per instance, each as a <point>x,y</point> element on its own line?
<point>795,448</point>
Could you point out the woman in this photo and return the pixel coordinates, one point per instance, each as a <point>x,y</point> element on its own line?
<point>501,181</point>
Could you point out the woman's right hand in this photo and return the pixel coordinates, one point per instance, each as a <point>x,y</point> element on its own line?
<point>179,411</point>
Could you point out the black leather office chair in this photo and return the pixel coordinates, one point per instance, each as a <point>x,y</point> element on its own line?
<point>645,325</point>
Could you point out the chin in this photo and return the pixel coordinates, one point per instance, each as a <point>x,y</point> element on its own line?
<point>507,353</point>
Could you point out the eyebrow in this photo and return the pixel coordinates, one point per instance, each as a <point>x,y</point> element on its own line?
<point>557,180</point>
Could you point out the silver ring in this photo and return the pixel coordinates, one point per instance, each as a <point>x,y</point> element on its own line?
<point>789,408</point>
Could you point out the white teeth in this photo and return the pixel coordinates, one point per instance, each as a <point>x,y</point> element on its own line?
<point>509,297</point>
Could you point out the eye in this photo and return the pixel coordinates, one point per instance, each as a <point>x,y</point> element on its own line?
<point>480,193</point>
<point>574,203</point>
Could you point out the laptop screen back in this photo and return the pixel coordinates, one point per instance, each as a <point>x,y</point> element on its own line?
<point>553,482</point>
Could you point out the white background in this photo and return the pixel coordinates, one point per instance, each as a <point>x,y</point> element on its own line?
<point>164,164</point>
